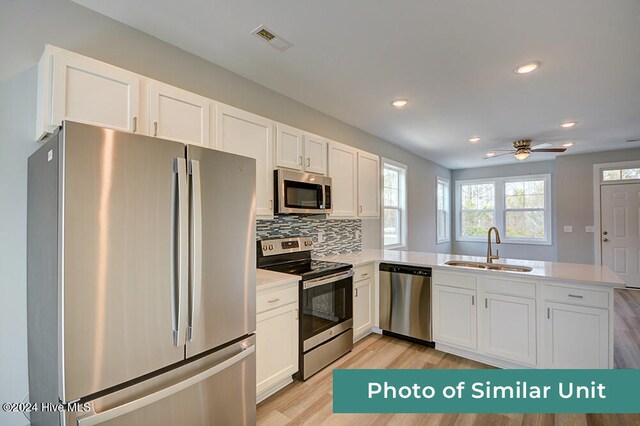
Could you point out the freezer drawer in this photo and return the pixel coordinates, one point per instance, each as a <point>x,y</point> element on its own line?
<point>405,301</point>
<point>218,389</point>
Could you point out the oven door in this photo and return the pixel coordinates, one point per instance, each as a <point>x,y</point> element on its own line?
<point>326,305</point>
<point>301,193</point>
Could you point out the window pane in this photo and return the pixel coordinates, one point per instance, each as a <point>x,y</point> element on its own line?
<point>440,197</point>
<point>391,227</point>
<point>630,173</point>
<point>525,224</point>
<point>611,175</point>
<point>391,197</point>
<point>390,178</point>
<point>477,197</point>
<point>442,225</point>
<point>475,224</point>
<point>524,195</point>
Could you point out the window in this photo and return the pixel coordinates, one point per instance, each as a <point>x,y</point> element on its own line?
<point>620,174</point>
<point>394,217</point>
<point>520,207</point>
<point>477,209</point>
<point>443,208</point>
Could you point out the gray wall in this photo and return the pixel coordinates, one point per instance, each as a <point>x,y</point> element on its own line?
<point>574,189</point>
<point>514,251</point>
<point>28,25</point>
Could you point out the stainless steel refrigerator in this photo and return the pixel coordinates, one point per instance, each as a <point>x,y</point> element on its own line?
<point>141,281</point>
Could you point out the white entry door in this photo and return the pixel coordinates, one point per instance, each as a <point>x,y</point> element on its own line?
<point>620,233</point>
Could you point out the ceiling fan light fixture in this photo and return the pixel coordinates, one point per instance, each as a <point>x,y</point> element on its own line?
<point>522,154</point>
<point>527,68</point>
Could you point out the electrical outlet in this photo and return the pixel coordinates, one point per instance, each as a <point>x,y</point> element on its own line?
<point>568,228</point>
<point>320,236</point>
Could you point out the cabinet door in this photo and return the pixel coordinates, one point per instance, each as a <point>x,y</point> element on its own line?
<point>93,92</point>
<point>362,312</point>
<point>243,133</point>
<point>276,345</point>
<point>315,151</point>
<point>368,185</point>
<point>178,115</point>
<point>508,327</point>
<point>454,316</point>
<point>289,148</point>
<point>342,170</point>
<point>575,336</point>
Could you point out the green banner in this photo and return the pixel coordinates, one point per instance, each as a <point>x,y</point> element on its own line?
<point>486,391</point>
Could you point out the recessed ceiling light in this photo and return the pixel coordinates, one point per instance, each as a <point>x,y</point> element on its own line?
<point>568,124</point>
<point>491,154</point>
<point>474,139</point>
<point>527,68</point>
<point>568,144</point>
<point>399,103</point>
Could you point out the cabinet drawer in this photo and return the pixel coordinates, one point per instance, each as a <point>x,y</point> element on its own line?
<point>454,280</point>
<point>363,272</point>
<point>518,288</point>
<point>270,299</point>
<point>576,296</point>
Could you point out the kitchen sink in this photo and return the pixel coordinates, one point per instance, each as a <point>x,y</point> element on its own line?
<point>489,266</point>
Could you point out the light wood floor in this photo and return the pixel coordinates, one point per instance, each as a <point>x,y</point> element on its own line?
<point>310,402</point>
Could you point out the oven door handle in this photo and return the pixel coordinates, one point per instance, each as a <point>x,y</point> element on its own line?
<point>327,280</point>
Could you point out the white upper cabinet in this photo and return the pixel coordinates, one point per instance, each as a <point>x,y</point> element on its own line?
<point>368,185</point>
<point>240,132</point>
<point>301,151</point>
<point>178,115</point>
<point>289,148</point>
<point>343,171</point>
<point>315,152</point>
<point>72,87</point>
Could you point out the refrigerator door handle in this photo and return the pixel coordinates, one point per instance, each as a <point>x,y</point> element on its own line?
<point>121,410</point>
<point>195,267</point>
<point>179,249</point>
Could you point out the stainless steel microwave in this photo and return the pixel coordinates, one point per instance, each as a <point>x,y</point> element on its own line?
<point>301,193</point>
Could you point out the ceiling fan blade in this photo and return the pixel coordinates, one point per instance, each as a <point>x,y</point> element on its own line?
<point>541,145</point>
<point>499,155</point>
<point>549,150</point>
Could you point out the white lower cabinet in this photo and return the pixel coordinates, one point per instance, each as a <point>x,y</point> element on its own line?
<point>363,301</point>
<point>508,326</point>
<point>276,338</point>
<point>575,336</point>
<point>454,316</point>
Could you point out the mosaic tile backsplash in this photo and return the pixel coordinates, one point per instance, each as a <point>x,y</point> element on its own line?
<point>340,236</point>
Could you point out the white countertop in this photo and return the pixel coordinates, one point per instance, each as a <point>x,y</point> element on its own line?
<point>591,274</point>
<point>266,279</point>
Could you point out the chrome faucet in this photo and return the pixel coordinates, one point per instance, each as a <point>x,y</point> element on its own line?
<point>490,256</point>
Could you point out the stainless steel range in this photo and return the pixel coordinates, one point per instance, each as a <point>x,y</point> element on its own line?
<point>325,297</point>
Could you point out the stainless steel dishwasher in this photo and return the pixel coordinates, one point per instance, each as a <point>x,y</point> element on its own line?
<point>405,302</point>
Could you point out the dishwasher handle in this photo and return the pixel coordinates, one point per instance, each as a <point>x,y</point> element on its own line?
<point>405,269</point>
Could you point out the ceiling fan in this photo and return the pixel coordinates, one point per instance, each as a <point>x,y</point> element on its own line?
<point>522,149</point>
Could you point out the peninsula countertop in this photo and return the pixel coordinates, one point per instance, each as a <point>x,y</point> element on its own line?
<point>548,271</point>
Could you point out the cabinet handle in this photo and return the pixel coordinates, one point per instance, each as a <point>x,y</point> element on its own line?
<point>486,303</point>
<point>473,300</point>
<point>577,296</point>
<point>300,161</point>
<point>274,300</point>
<point>296,315</point>
<point>155,129</point>
<point>135,124</point>
<point>360,209</point>
<point>356,292</point>
<point>270,204</point>
<point>548,313</point>
<point>366,274</point>
<point>308,162</point>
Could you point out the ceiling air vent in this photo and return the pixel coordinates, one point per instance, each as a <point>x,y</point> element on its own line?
<point>271,38</point>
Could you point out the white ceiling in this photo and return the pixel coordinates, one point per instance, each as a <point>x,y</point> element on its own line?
<point>453,59</point>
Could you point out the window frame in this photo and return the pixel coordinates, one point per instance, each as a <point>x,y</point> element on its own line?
<point>621,180</point>
<point>447,217</point>
<point>500,210</point>
<point>402,201</point>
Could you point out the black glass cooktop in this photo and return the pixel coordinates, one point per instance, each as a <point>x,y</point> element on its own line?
<point>309,269</point>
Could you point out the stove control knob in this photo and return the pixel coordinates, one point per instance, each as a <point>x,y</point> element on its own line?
<point>270,246</point>
<point>264,247</point>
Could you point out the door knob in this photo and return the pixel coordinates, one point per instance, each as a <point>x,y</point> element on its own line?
<point>605,233</point>
<point>605,240</point>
